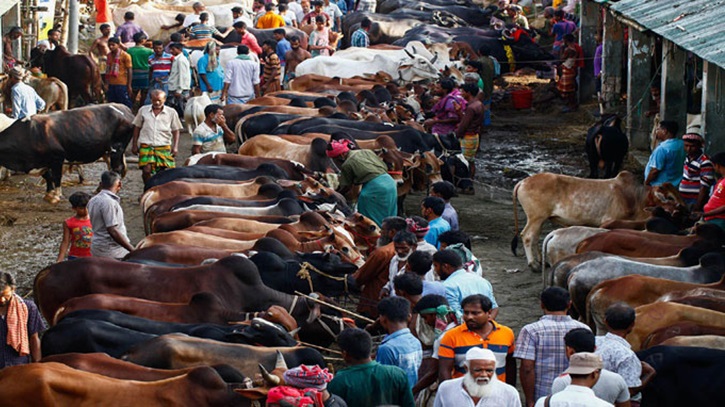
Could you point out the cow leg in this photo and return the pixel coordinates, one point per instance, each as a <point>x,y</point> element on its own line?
<point>52,181</point>
<point>530,237</point>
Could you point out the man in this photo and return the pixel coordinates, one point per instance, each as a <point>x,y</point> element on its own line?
<point>246,38</point>
<point>419,227</point>
<point>666,162</point>
<point>432,208</point>
<point>572,58</point>
<point>460,243</point>
<point>159,69</point>
<point>296,8</point>
<point>241,78</point>
<point>294,57</point>
<point>128,29</point>
<point>698,175</point>
<point>469,129</point>
<point>194,18</point>
<point>99,50</point>
<point>479,330</point>
<point>448,110</point>
<point>20,319</point>
<point>616,352</point>
<point>335,14</point>
<point>399,348</point>
<point>516,16</point>
<point>539,345</point>
<point>584,370</point>
<point>109,229</point>
<point>140,67</point>
<point>237,14</point>
<point>283,46</point>
<point>305,5</point>
<point>459,283</point>
<point>9,59</point>
<point>155,135</point>
<point>378,196</point>
<point>421,264</point>
<point>119,74</point>
<point>561,27</point>
<point>404,243</point>
<point>211,134</point>
<point>373,275</point>
<point>305,377</point>
<point>54,37</point>
<point>26,101</point>
<point>610,387</point>
<point>289,17</point>
<point>205,31</point>
<point>409,286</point>
<point>360,37</point>
<point>479,386</point>
<point>179,78</point>
<point>446,190</point>
<point>366,383</point>
<point>310,17</point>
<point>270,19</point>
<point>103,15</point>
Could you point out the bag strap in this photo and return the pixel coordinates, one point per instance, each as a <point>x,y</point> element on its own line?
<point>547,401</point>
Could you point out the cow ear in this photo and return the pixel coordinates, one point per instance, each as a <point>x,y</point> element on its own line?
<point>315,312</point>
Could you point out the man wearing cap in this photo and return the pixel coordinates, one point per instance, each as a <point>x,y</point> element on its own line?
<point>26,101</point>
<point>698,174</point>
<point>584,369</point>
<point>479,386</point>
<point>313,377</point>
<point>378,196</point>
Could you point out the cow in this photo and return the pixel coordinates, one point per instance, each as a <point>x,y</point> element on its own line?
<point>563,242</point>
<point>312,156</point>
<point>215,172</point>
<point>194,111</point>
<point>439,56</point>
<point>636,243</point>
<point>170,221</point>
<point>55,384</point>
<point>53,92</point>
<point>78,72</point>
<point>682,329</point>
<point>80,135</point>
<point>684,376</point>
<point>385,29</point>
<point>313,272</point>
<point>572,201</point>
<point>652,317</point>
<point>606,146</point>
<point>411,69</point>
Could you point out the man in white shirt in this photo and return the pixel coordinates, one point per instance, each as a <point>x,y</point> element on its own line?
<point>26,101</point>
<point>211,134</point>
<point>179,78</point>
<point>155,135</point>
<point>479,386</point>
<point>584,369</point>
<point>194,18</point>
<point>241,78</point>
<point>296,8</point>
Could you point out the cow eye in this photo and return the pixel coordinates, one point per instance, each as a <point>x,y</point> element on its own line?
<point>345,249</point>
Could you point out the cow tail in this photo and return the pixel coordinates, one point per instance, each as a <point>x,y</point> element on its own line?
<point>544,247</point>
<point>515,241</point>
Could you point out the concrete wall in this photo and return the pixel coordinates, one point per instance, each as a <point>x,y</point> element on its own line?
<point>673,105</point>
<point>639,126</point>
<point>612,58</point>
<point>589,24</point>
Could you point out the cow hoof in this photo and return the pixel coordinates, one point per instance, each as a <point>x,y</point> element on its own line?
<point>536,268</point>
<point>51,198</point>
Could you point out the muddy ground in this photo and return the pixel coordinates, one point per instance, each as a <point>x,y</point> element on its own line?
<point>518,144</point>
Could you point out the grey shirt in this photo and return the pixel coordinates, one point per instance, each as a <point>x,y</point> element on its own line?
<point>105,211</point>
<point>450,215</point>
<point>610,387</point>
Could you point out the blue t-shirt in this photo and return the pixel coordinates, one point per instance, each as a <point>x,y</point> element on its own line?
<point>668,158</point>
<point>282,47</point>
<point>433,287</point>
<point>215,77</point>
<point>437,227</point>
<point>461,284</point>
<point>402,349</point>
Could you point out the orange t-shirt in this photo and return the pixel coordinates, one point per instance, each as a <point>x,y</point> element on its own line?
<point>125,63</point>
<point>103,13</point>
<point>270,20</point>
<point>457,341</point>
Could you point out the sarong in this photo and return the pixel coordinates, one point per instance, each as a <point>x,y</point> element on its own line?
<point>469,146</point>
<point>140,80</point>
<point>567,80</point>
<point>155,156</point>
<point>378,198</point>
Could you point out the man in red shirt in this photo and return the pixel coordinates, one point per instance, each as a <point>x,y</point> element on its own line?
<point>715,207</point>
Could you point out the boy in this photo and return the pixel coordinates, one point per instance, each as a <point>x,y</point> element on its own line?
<point>77,231</point>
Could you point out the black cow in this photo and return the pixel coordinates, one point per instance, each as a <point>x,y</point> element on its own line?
<point>80,135</point>
<point>388,6</point>
<point>526,53</point>
<point>262,123</point>
<point>385,29</point>
<point>239,203</point>
<point>685,376</point>
<point>215,172</point>
<point>607,144</point>
<point>282,275</point>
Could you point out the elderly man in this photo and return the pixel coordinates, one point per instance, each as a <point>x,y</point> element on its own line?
<point>155,135</point>
<point>405,243</point>
<point>479,386</point>
<point>109,228</point>
<point>194,18</point>
<point>26,101</point>
<point>584,369</point>
<point>241,78</point>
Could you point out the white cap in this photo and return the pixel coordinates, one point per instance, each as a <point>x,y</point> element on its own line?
<point>480,354</point>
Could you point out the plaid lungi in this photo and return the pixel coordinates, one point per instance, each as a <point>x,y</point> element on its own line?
<point>567,80</point>
<point>155,156</point>
<point>469,146</point>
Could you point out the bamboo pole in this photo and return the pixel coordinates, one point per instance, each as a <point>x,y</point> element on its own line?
<point>343,310</point>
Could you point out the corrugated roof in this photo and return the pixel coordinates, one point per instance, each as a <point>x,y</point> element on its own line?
<point>695,25</point>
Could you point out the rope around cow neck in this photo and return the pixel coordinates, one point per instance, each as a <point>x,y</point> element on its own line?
<point>304,274</point>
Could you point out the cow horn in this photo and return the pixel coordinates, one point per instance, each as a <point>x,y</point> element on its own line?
<point>294,332</point>
<point>435,58</point>
<point>413,48</point>
<point>271,379</point>
<point>408,53</point>
<point>280,363</point>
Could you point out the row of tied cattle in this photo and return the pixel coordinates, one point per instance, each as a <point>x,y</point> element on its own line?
<point>671,274</point>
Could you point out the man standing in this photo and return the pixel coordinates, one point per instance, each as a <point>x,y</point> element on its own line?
<point>399,348</point>
<point>481,331</point>
<point>469,129</point>
<point>539,345</point>
<point>159,69</point>
<point>294,57</point>
<point>479,386</point>
<point>241,78</point>
<point>366,383</point>
<point>445,190</point>
<point>155,135</point>
<point>109,229</point>
<point>9,59</point>
<point>448,110</point>
<point>119,74</point>
<point>140,63</point>
<point>360,37</point>
<point>461,284</point>
<point>210,135</point>
<point>584,369</point>
<point>405,244</point>
<point>335,14</point>
<point>699,174</point>
<point>246,38</point>
<point>179,78</point>
<point>666,162</point>
<point>26,101</point>
<point>561,27</point>
<point>432,208</point>
<point>316,11</point>
<point>99,50</point>
<point>194,18</point>
<point>283,46</point>
<point>128,29</point>
<point>270,19</point>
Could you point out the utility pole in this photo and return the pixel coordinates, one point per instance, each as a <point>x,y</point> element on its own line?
<point>73,22</point>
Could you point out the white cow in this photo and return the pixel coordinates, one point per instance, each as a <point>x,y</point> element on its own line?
<point>194,111</point>
<point>562,242</point>
<point>409,69</point>
<point>438,54</point>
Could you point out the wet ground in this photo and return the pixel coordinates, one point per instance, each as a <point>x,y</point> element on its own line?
<point>518,144</point>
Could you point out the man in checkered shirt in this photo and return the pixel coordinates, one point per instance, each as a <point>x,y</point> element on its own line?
<point>540,345</point>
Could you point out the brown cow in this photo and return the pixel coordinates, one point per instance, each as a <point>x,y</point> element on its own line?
<point>232,113</point>
<point>572,201</point>
<point>171,221</point>
<point>187,238</point>
<point>652,317</point>
<point>681,329</point>
<point>78,72</point>
<point>634,243</point>
<point>310,82</point>
<point>55,384</point>
<point>312,156</point>
<point>177,254</point>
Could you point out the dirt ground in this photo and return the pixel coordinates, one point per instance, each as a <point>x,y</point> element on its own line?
<point>518,144</point>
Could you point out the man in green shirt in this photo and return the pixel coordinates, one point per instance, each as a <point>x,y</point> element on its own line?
<point>366,383</point>
<point>378,197</point>
<point>140,64</point>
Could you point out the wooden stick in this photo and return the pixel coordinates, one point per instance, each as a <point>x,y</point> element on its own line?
<point>309,345</point>
<point>343,310</point>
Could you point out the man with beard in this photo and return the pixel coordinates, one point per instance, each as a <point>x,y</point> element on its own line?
<point>479,386</point>
<point>404,243</point>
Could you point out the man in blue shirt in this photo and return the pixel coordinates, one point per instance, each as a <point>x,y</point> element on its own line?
<point>666,162</point>
<point>460,283</point>
<point>26,101</point>
<point>432,208</point>
<point>399,348</point>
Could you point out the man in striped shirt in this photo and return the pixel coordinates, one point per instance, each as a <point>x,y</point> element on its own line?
<point>360,37</point>
<point>698,174</point>
<point>159,69</point>
<point>202,30</point>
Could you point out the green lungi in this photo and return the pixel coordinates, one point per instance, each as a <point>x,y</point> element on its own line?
<point>378,198</point>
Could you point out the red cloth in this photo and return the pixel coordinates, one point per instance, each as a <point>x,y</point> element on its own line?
<point>716,200</point>
<point>81,234</point>
<point>579,56</point>
<point>294,397</point>
<point>103,12</point>
<point>337,148</point>
<point>17,320</point>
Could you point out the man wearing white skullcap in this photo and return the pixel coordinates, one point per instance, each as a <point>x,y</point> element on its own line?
<point>479,386</point>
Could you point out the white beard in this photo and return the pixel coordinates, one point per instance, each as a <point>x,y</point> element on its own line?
<point>481,388</point>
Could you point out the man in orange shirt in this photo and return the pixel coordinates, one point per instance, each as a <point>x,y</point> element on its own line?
<point>270,19</point>
<point>117,79</point>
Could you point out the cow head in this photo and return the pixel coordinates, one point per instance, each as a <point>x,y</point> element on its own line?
<point>339,243</point>
<point>416,68</point>
<point>261,333</point>
<point>365,232</point>
<point>329,274</point>
<point>667,197</point>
